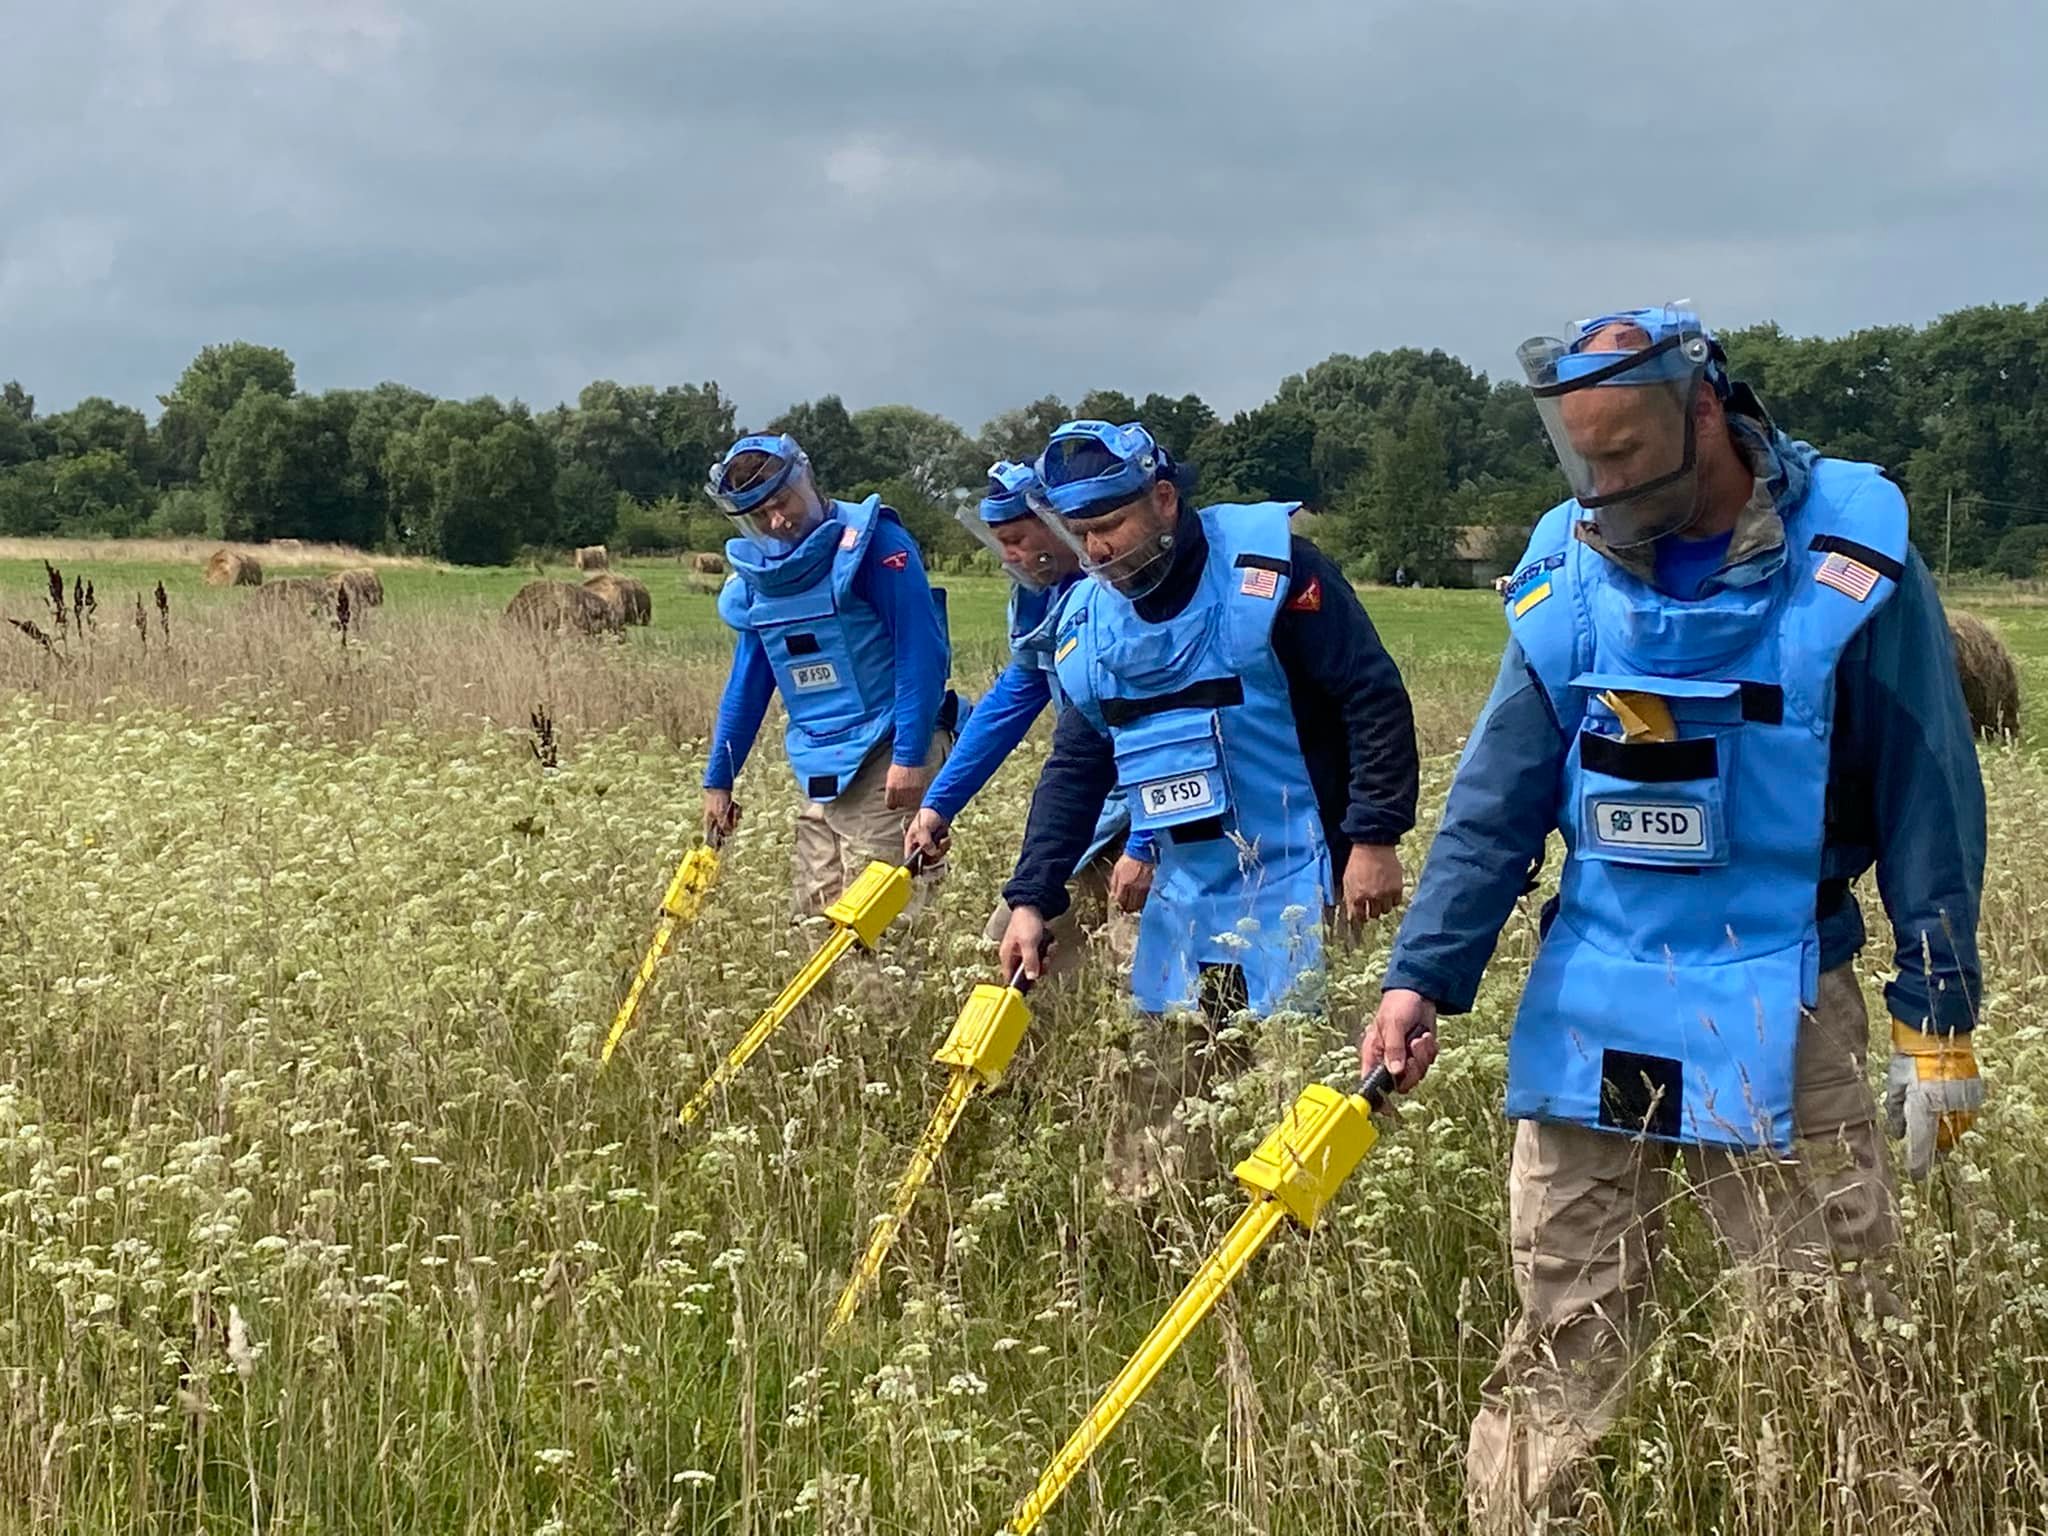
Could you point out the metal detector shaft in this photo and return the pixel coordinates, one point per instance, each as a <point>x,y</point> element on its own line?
<point>680,906</point>
<point>1194,1303</point>
<point>777,1014</point>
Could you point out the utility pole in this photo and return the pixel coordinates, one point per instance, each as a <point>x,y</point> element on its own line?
<point>1948,537</point>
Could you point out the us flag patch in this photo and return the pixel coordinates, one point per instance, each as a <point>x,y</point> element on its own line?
<point>1852,578</point>
<point>1259,582</point>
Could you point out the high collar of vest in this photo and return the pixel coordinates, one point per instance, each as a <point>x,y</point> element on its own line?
<point>1183,572</point>
<point>780,575</point>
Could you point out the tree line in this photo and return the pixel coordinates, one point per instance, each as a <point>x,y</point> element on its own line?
<point>1412,459</point>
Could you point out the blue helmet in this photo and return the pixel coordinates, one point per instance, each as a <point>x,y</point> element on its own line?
<point>1090,467</point>
<point>739,499</point>
<point>1011,488</point>
<point>1678,346</point>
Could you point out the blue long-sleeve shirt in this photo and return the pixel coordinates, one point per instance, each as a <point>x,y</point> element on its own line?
<point>1904,793</point>
<point>1351,713</point>
<point>892,579</point>
<point>999,722</point>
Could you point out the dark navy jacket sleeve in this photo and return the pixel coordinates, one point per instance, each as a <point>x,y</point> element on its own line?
<point>1502,807</point>
<point>1077,777</point>
<point>1907,786</point>
<point>893,579</point>
<point>1351,708</point>
<point>741,708</point>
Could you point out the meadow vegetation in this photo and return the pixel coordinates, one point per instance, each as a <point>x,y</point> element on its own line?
<point>317,1216</point>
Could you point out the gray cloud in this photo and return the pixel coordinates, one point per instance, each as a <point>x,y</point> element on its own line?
<point>965,206</point>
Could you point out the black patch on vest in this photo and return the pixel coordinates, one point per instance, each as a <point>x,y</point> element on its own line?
<point>822,786</point>
<point>801,644</point>
<point>1264,563</point>
<point>1835,544</point>
<point>1643,1095</point>
<point>1763,703</point>
<point>1650,762</point>
<point>1207,830</point>
<point>1206,693</point>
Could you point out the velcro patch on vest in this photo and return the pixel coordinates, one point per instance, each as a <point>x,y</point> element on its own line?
<point>813,674</point>
<point>1850,577</point>
<point>1309,599</point>
<point>1259,582</point>
<point>1531,598</point>
<point>1529,573</point>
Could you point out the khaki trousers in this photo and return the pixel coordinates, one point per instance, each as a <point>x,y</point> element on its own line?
<point>1092,922</point>
<point>837,839</point>
<point>1586,1217</point>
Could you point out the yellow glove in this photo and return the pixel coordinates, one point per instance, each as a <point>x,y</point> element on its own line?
<point>1932,1093</point>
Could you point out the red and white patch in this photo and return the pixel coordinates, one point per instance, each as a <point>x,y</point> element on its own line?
<point>1852,578</point>
<point>849,538</point>
<point>1309,599</point>
<point>1259,582</point>
<point>900,561</point>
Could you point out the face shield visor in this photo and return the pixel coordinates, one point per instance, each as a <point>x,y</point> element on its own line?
<point>1622,420</point>
<point>1098,496</point>
<point>1005,524</point>
<point>764,484</point>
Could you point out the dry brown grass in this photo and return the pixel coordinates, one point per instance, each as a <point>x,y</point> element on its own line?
<point>197,552</point>
<point>432,672</point>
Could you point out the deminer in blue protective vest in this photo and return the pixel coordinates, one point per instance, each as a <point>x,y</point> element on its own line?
<point>1221,674</point>
<point>1729,686</point>
<point>833,610</point>
<point>1115,870</point>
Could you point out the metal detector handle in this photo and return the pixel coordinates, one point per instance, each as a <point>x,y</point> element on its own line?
<point>1378,1085</point>
<point>1022,984</point>
<point>915,864</point>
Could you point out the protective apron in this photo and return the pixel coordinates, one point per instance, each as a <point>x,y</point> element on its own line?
<point>834,661</point>
<point>1034,623</point>
<point>1207,755</point>
<point>1666,996</point>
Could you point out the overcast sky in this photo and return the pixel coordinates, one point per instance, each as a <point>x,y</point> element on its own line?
<point>965,205</point>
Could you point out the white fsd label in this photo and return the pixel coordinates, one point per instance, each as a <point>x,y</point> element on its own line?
<point>1633,824</point>
<point>814,674</point>
<point>1189,792</point>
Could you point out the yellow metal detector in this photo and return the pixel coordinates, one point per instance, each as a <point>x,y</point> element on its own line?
<point>978,1049</point>
<point>679,908</point>
<point>1296,1171</point>
<point>874,901</point>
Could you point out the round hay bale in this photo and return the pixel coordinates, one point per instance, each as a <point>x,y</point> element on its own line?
<point>629,597</point>
<point>593,557</point>
<point>225,568</point>
<point>288,546</point>
<point>557,606</point>
<point>708,565</point>
<point>1991,679</point>
<point>364,588</point>
<point>303,595</point>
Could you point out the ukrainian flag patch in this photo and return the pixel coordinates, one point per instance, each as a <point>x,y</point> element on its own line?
<point>1067,649</point>
<point>1531,598</point>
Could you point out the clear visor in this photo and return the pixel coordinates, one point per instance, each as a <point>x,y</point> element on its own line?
<point>1031,555</point>
<point>1127,547</point>
<point>1622,426</point>
<point>783,521</point>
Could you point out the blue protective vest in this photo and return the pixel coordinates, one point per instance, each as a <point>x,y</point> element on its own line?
<point>1666,996</point>
<point>1034,624</point>
<point>1207,754</point>
<point>834,662</point>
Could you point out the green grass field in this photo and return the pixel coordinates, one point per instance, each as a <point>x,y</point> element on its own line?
<point>317,1216</point>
